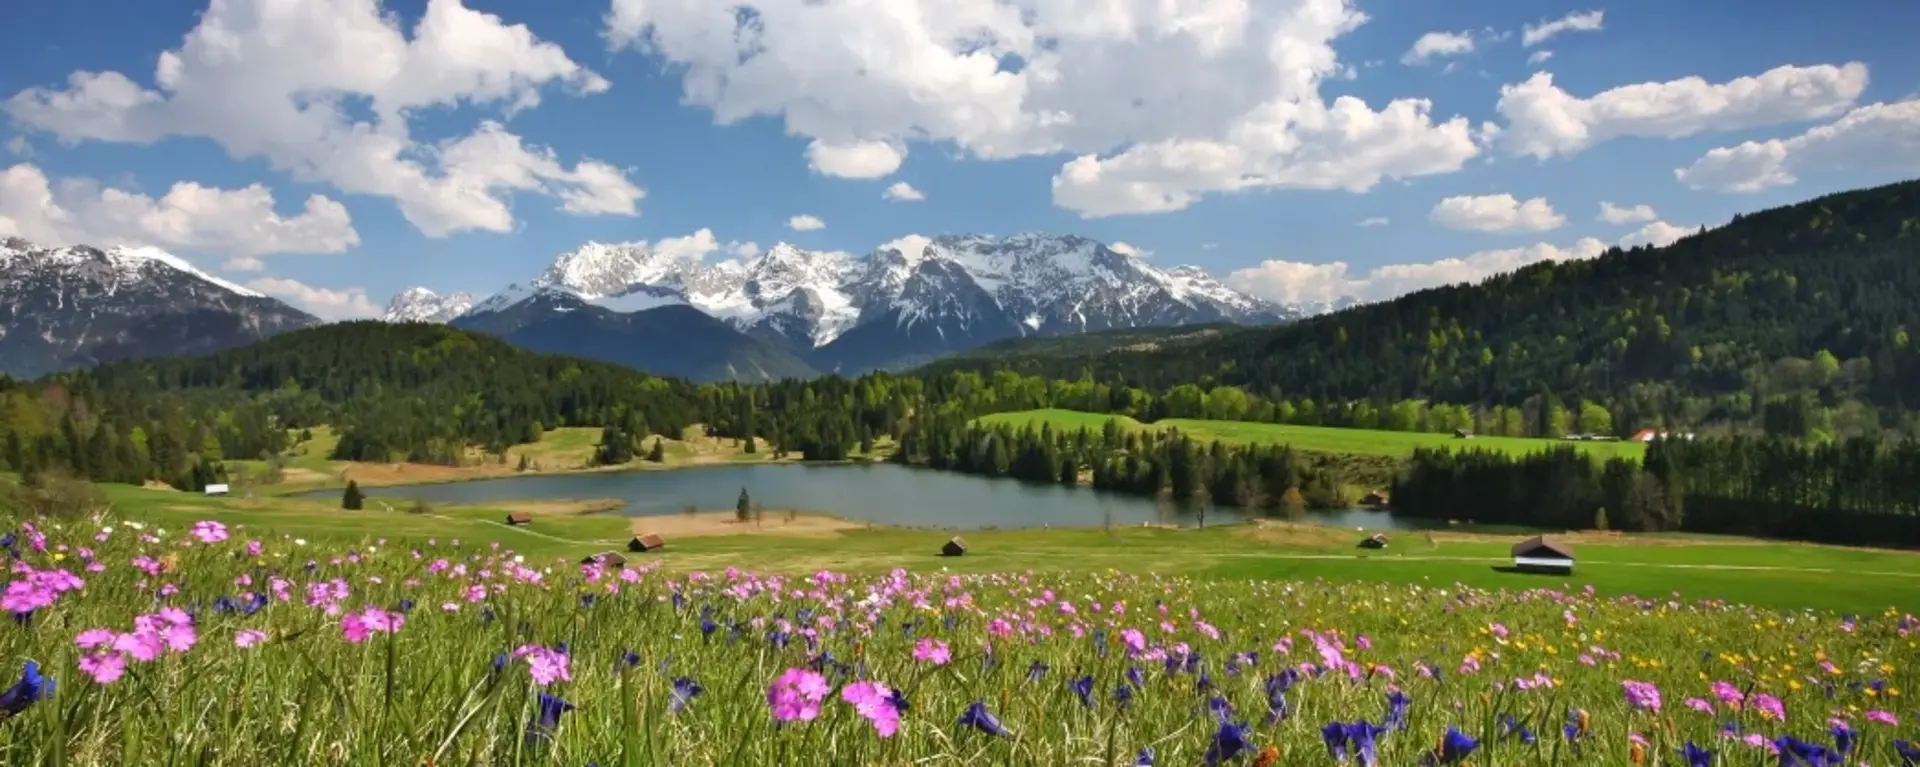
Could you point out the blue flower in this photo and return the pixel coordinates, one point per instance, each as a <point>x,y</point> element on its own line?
<point>1696,756</point>
<point>1397,703</point>
<point>1230,741</point>
<point>1909,753</point>
<point>1361,736</point>
<point>1222,710</point>
<point>1144,758</point>
<point>978,717</point>
<point>1795,752</point>
<point>1035,671</point>
<point>1122,695</point>
<point>684,691</point>
<point>30,689</point>
<point>1842,739</point>
<point>547,720</point>
<point>1083,687</point>
<point>899,700</point>
<point>1277,686</point>
<point>1136,677</point>
<point>1454,746</point>
<point>1335,736</point>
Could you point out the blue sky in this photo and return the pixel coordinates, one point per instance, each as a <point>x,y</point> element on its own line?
<point>514,131</point>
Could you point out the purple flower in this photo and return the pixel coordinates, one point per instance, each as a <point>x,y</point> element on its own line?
<point>31,688</point>
<point>1083,688</point>
<point>1696,756</point>
<point>1397,703</point>
<point>684,691</point>
<point>1230,741</point>
<point>978,717</point>
<point>1335,736</point>
<point>1361,736</point>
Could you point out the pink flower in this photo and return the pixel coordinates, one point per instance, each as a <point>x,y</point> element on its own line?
<point>931,651</point>
<point>1728,694</point>
<point>209,531</point>
<point>179,637</point>
<point>1700,705</point>
<point>104,667</point>
<point>92,638</point>
<point>142,645</point>
<point>797,695</point>
<point>1769,707</point>
<point>1883,717</point>
<point>175,616</point>
<point>354,628</point>
<point>1642,695</point>
<point>545,665</point>
<point>873,701</point>
<point>246,638</point>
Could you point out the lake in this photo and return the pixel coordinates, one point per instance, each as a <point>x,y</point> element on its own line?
<point>882,493</point>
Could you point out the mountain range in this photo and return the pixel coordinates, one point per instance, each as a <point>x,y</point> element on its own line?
<point>70,307</point>
<point>792,312</point>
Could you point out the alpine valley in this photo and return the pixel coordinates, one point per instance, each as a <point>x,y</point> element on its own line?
<point>72,307</point>
<point>793,313</point>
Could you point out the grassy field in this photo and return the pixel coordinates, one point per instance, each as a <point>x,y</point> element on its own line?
<point>1784,575</point>
<point>306,466</point>
<point>197,640</point>
<point>1325,439</point>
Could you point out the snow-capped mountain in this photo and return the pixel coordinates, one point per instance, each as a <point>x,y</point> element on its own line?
<point>69,307</point>
<point>905,302</point>
<point>423,305</point>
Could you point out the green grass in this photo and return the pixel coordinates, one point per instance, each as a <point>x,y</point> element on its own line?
<point>1326,439</point>
<point>455,682</point>
<point>1783,575</point>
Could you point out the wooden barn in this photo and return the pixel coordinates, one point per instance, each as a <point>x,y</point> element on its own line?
<point>1541,554</point>
<point>648,542</point>
<point>954,547</point>
<point>606,559</point>
<point>519,518</point>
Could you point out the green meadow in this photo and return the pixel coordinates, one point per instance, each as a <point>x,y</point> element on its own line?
<point>1326,439</point>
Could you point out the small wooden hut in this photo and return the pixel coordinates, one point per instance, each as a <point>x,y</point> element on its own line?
<point>606,559</point>
<point>519,518</point>
<point>1541,554</point>
<point>647,542</point>
<point>1375,541</point>
<point>954,547</point>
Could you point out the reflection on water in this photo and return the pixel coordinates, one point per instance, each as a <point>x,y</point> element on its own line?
<point>883,493</point>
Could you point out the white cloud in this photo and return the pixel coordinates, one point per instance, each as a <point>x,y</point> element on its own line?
<point>1658,234</point>
<point>902,191</point>
<point>855,159</point>
<point>1876,137</point>
<point>1615,214</point>
<point>1496,213</point>
<point>692,247</point>
<point>805,223</point>
<point>277,80</point>
<point>1374,221</point>
<point>1544,121</point>
<point>1539,57</point>
<point>327,304</point>
<point>1129,250</point>
<point>1579,21</point>
<point>745,249</point>
<point>1293,282</point>
<point>18,147</point>
<point>238,223</point>
<point>1434,45</point>
<point>1160,102</point>
<point>244,264</point>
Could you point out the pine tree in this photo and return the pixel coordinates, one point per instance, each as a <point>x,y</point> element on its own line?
<point>352,499</point>
<point>659,452</point>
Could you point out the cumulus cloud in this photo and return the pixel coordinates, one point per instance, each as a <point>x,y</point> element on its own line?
<point>1433,45</point>
<point>238,223</point>
<point>1876,137</point>
<point>1129,250</point>
<point>1293,282</point>
<point>1539,57</point>
<point>1633,214</point>
<point>325,303</point>
<point>1544,121</point>
<point>902,191</point>
<point>856,159</point>
<point>1159,103</point>
<point>1496,213</point>
<point>1579,21</point>
<point>1375,221</point>
<point>1658,234</point>
<point>285,81</point>
<point>805,223</point>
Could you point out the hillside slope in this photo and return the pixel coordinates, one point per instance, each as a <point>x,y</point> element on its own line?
<point>1743,311</point>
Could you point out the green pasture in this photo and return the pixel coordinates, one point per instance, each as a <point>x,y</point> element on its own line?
<point>1326,439</point>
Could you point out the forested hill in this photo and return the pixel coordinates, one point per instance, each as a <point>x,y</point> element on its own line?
<point>1711,321</point>
<point>419,390</point>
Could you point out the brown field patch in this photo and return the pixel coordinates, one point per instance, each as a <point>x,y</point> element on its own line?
<point>713,523</point>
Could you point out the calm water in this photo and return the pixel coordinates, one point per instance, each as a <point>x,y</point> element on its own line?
<point>882,493</point>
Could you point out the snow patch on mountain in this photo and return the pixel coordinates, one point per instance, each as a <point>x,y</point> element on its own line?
<point>423,305</point>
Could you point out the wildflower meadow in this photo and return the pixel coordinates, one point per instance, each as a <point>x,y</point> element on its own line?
<point>130,644</point>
